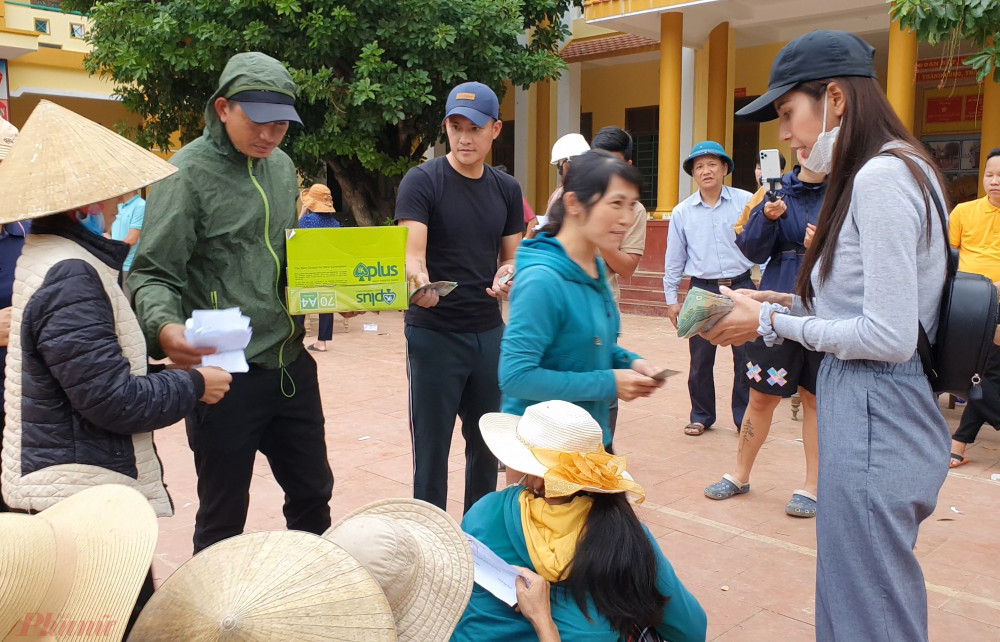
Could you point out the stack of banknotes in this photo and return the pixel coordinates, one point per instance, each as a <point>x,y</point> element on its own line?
<point>701,310</point>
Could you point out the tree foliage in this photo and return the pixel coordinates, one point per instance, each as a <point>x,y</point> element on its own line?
<point>372,75</point>
<point>955,21</point>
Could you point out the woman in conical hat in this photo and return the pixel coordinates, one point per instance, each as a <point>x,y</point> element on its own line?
<point>81,407</point>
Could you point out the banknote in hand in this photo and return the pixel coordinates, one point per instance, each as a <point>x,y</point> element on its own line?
<point>701,310</point>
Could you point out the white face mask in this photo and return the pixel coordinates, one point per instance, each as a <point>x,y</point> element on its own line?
<point>820,158</point>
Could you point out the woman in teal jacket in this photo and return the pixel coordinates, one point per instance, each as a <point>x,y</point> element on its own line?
<point>561,340</point>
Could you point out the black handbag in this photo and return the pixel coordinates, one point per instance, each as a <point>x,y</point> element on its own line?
<point>967,321</point>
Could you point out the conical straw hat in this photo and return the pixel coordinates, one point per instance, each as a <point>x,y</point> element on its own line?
<point>61,161</point>
<point>75,569</point>
<point>421,559</point>
<point>285,585</point>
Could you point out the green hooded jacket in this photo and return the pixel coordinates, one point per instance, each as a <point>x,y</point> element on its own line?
<point>214,235</point>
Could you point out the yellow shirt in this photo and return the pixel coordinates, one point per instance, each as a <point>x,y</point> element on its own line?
<point>745,215</point>
<point>974,228</point>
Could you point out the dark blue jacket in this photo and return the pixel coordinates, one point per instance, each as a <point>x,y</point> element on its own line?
<point>780,241</point>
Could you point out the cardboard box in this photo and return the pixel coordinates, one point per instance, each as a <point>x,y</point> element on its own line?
<point>342,269</point>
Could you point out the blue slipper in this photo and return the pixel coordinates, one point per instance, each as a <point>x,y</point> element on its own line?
<point>802,504</point>
<point>726,488</point>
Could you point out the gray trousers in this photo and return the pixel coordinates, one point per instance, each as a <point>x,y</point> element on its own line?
<point>883,451</point>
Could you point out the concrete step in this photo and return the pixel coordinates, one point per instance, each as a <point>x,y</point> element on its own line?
<point>636,294</point>
<point>643,308</point>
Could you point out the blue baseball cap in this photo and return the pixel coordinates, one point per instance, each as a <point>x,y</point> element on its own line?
<point>475,101</point>
<point>707,148</point>
<point>815,56</point>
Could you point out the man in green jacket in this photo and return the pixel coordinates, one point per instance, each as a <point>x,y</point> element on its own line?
<point>215,238</point>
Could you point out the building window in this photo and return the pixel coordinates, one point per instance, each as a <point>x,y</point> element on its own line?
<point>644,123</point>
<point>41,25</point>
<point>503,147</point>
<point>76,31</point>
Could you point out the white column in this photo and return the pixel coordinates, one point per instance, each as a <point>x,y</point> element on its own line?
<point>687,118</point>
<point>568,101</point>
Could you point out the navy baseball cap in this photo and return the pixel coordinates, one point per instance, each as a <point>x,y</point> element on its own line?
<point>267,106</point>
<point>707,148</point>
<point>475,101</point>
<point>814,56</point>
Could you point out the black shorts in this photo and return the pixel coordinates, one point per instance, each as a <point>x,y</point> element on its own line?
<point>781,369</point>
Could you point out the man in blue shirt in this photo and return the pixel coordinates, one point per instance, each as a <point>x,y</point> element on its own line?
<point>702,244</point>
<point>127,228</point>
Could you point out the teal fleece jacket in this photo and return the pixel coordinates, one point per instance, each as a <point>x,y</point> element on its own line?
<point>214,235</point>
<point>495,520</point>
<point>561,340</point>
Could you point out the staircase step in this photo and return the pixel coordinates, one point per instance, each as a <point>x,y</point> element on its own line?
<point>646,309</point>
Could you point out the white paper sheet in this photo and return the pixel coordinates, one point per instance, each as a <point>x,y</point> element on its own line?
<point>492,573</point>
<point>227,331</point>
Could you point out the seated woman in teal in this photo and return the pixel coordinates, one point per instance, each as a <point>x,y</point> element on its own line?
<point>561,340</point>
<point>566,517</point>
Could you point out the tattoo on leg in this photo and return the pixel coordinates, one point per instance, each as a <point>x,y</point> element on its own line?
<point>747,430</point>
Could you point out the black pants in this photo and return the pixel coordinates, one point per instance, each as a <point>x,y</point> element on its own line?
<point>451,373</point>
<point>701,378</point>
<point>325,327</point>
<point>289,431</point>
<point>985,410</point>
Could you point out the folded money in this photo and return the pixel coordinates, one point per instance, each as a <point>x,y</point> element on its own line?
<point>701,310</point>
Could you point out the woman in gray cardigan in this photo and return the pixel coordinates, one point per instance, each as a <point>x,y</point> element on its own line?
<point>873,274</point>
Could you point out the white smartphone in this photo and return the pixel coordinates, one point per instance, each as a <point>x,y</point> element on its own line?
<point>770,166</point>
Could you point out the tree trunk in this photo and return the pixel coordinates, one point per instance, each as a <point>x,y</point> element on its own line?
<point>370,197</point>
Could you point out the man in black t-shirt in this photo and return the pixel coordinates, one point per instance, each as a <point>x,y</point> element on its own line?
<point>465,221</point>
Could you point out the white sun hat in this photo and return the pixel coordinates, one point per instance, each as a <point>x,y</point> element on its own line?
<point>284,585</point>
<point>76,568</point>
<point>421,559</point>
<point>553,426</point>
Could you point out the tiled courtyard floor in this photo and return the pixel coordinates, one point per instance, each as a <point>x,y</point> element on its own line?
<point>751,566</point>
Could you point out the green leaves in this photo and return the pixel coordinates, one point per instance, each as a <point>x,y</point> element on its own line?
<point>372,76</point>
<point>953,22</point>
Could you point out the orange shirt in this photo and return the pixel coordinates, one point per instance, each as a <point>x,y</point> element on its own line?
<point>974,228</point>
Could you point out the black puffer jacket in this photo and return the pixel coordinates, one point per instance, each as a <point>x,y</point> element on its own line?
<point>80,406</point>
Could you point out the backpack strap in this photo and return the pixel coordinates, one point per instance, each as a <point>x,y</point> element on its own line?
<point>923,342</point>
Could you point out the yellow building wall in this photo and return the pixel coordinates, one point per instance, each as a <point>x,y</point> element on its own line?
<point>607,92</point>
<point>19,16</point>
<point>753,67</point>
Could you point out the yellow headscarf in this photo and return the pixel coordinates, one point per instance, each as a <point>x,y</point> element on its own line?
<point>551,531</point>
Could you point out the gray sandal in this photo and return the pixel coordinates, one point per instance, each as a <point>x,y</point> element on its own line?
<point>802,504</point>
<point>726,488</point>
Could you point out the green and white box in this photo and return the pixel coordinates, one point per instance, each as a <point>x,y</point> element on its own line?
<point>345,269</point>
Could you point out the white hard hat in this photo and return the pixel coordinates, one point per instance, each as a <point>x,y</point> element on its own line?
<point>569,146</point>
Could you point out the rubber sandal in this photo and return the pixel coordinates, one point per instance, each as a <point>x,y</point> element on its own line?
<point>957,460</point>
<point>802,504</point>
<point>726,488</point>
<point>694,429</point>
<point>312,348</point>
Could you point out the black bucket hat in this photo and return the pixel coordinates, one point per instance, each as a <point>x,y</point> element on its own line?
<point>814,56</point>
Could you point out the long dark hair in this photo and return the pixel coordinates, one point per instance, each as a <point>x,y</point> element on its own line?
<point>868,124</point>
<point>615,566</point>
<point>588,177</point>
